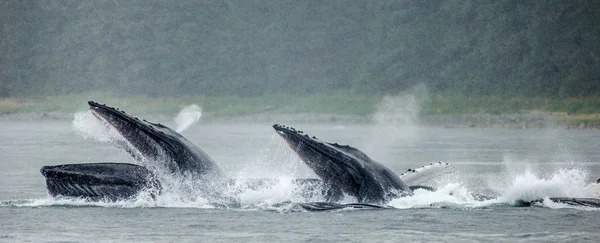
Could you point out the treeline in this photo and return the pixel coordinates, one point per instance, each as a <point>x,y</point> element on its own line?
<point>250,48</point>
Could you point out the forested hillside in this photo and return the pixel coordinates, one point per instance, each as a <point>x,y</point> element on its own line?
<point>250,48</point>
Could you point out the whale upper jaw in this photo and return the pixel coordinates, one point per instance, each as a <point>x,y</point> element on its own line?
<point>144,140</point>
<point>345,167</point>
<point>157,143</point>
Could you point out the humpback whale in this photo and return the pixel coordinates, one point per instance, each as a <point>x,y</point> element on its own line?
<point>373,184</point>
<point>157,144</point>
<point>158,148</point>
<point>346,168</point>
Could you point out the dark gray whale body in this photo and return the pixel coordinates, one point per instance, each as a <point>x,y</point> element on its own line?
<point>373,184</point>
<point>158,143</point>
<point>156,146</point>
<point>346,168</point>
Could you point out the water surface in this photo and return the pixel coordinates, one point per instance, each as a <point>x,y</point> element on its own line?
<point>508,163</point>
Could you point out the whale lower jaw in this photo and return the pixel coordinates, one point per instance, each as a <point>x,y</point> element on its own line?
<point>99,181</point>
<point>91,192</point>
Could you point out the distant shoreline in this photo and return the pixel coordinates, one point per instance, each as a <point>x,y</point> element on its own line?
<point>510,121</point>
<point>335,108</point>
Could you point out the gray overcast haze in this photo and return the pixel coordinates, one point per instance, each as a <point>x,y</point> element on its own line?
<point>250,48</point>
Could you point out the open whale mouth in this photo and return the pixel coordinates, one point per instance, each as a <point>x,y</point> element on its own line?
<point>163,152</point>
<point>99,181</point>
<point>159,148</point>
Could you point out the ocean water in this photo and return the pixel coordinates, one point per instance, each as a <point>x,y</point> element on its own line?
<point>509,164</point>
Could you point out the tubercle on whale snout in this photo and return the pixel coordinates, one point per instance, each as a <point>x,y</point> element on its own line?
<point>293,130</point>
<point>96,106</point>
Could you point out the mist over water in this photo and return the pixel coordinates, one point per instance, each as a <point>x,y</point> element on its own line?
<point>274,159</point>
<point>188,116</point>
<point>402,109</point>
<point>257,47</point>
<point>396,124</point>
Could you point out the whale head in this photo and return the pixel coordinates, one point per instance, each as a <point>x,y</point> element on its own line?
<point>345,167</point>
<point>154,143</point>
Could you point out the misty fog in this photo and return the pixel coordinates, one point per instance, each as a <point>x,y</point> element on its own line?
<point>251,48</point>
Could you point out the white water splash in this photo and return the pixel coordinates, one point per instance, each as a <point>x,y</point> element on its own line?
<point>281,190</point>
<point>87,125</point>
<point>525,183</point>
<point>451,194</point>
<point>141,201</point>
<point>188,116</point>
<point>281,165</point>
<point>562,183</point>
<point>524,186</point>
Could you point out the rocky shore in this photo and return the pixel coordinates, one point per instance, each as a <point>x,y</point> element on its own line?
<point>513,121</point>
